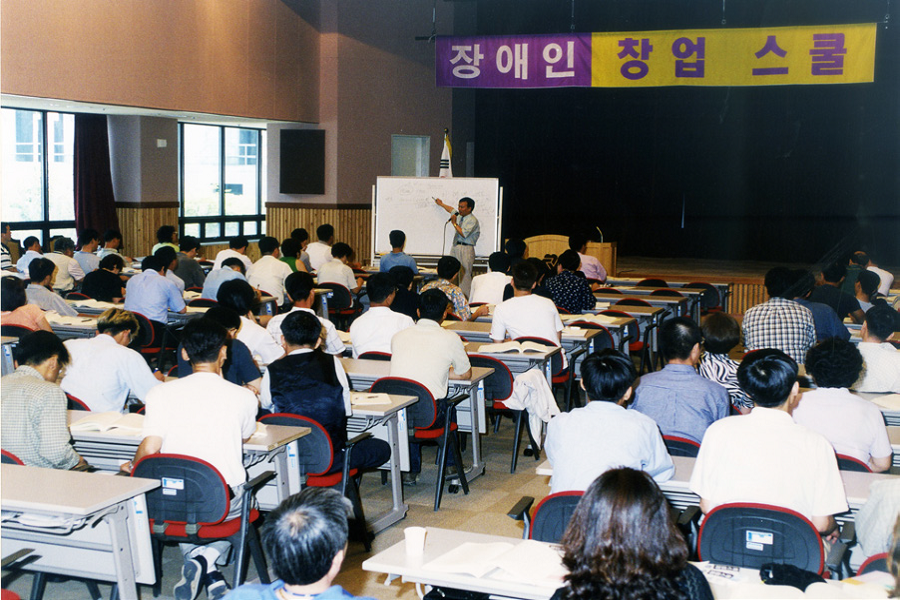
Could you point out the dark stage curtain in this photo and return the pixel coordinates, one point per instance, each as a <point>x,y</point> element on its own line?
<point>95,204</point>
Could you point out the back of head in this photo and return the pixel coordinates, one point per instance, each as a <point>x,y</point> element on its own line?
<point>677,338</point>
<point>447,267</point>
<point>379,286</point>
<point>300,234</point>
<point>238,242</point>
<point>882,321</point>
<point>301,328</point>
<point>433,304</point>
<point>202,340</point>
<point>324,232</point>
<point>540,266</point>
<point>235,262</point>
<point>112,261</point>
<point>721,333</point>
<point>112,235</point>
<point>860,258</point>
<point>87,236</point>
<point>499,262</point>
<point>515,248</point>
<point>224,316</point>
<point>778,282</point>
<point>767,375</point>
<point>267,245</point>
<point>868,282</point>
<point>802,283</point>
<point>31,241</point>
<point>290,248</point>
<point>341,250</point>
<point>397,238</point>
<point>577,242</point>
<point>63,244</point>
<point>152,263</point>
<point>524,276</point>
<point>40,268</point>
<point>304,534</point>
<point>834,363</point>
<point>164,234</point>
<point>299,285</point>
<point>238,295</point>
<point>38,346</point>
<point>607,375</point>
<point>116,320</point>
<point>188,243</point>
<point>12,293</point>
<point>166,254</point>
<point>834,272</point>
<point>570,260</point>
<point>402,275</point>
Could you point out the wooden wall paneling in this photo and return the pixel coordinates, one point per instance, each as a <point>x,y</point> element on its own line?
<point>352,225</point>
<point>745,296</point>
<point>139,224</point>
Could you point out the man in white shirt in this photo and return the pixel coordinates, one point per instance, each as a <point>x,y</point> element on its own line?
<point>526,314</point>
<point>320,251</point>
<point>32,247</point>
<point>240,297</point>
<point>68,271</point>
<point>881,369</point>
<point>488,287</point>
<point>886,279</point>
<point>269,273</point>
<point>373,331</point>
<point>591,266</point>
<point>337,271</point>
<point>88,241</point>
<point>206,417</point>
<point>764,456</point>
<point>103,370</point>
<point>237,248</point>
<point>301,293</point>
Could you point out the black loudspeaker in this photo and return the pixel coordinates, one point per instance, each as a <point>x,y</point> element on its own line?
<point>302,161</point>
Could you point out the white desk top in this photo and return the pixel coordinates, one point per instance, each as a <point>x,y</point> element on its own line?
<point>58,492</point>
<point>652,300</point>
<point>397,403</point>
<point>484,328</point>
<point>374,369</point>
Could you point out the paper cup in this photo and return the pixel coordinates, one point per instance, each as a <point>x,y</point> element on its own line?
<point>415,541</point>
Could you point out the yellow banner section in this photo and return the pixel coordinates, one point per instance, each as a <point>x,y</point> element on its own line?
<point>735,57</point>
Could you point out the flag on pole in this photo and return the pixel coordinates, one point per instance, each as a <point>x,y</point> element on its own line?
<point>446,169</point>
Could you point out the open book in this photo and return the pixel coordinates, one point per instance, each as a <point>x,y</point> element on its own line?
<point>590,318</point>
<point>520,347</point>
<point>525,561</point>
<point>131,423</point>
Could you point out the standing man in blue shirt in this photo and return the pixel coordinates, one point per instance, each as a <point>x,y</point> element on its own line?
<point>467,233</point>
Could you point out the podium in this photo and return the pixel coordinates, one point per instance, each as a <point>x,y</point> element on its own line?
<point>540,245</point>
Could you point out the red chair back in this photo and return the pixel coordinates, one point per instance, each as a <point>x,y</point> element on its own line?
<point>679,446</point>
<point>315,451</point>
<point>203,303</point>
<point>8,458</point>
<point>601,340</point>
<point>634,330</point>
<point>193,491</point>
<point>849,463</point>
<point>77,296</point>
<point>667,292</point>
<point>609,291</point>
<point>876,562</point>
<point>421,415</point>
<point>652,283</point>
<point>556,362</point>
<point>633,302</point>
<point>710,297</point>
<point>498,386</point>
<point>341,298</point>
<point>74,403</point>
<point>14,330</point>
<point>375,355</point>
<point>552,515</point>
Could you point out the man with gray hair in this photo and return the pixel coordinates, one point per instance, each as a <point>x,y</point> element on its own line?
<point>69,273</point>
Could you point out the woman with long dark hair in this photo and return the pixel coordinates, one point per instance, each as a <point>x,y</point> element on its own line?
<point>622,544</point>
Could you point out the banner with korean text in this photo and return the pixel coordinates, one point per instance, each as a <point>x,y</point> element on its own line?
<point>705,57</point>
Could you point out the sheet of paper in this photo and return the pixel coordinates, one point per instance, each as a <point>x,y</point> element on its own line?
<point>532,562</point>
<point>471,558</point>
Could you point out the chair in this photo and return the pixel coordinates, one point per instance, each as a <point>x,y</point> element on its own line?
<point>562,376</point>
<point>195,288</point>
<point>710,300</point>
<point>77,296</point>
<point>498,387</point>
<point>550,518</point>
<point>341,308</point>
<point>632,302</point>
<point>322,466</point>
<point>610,290</point>
<point>192,506</point>
<point>8,458</point>
<point>876,562</point>
<point>849,463</point>
<point>151,340</point>
<point>751,535</point>
<point>375,355</point>
<point>428,423</point>
<point>600,341</point>
<point>73,403</point>
<point>14,330</point>
<point>652,283</point>
<point>679,446</point>
<point>669,292</point>
<point>203,303</point>
<point>636,345</point>
<point>560,310</point>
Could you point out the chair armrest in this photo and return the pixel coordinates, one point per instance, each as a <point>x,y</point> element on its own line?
<point>454,400</point>
<point>251,486</point>
<point>848,533</point>
<point>356,439</point>
<point>835,559</point>
<point>521,508</point>
<point>689,515</point>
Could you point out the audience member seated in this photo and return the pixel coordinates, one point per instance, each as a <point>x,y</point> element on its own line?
<point>448,274</point>
<point>169,257</point>
<point>540,289</point>
<point>867,261</point>
<point>320,251</point>
<point>425,353</point>
<point>241,298</point>
<point>237,248</point>
<point>189,269</point>
<point>15,307</point>
<point>721,333</point>
<point>681,402</point>
<point>487,288</point>
<point>105,284</point>
<point>305,539</point>
<point>622,543</point>
<point>151,294</point>
<point>373,330</point>
<point>166,236</point>
<point>88,242</point>
<point>208,418</point>
<point>396,257</point>
<point>302,237</point>
<point>765,456</point>
<point>406,300</point>
<point>590,265</point>
<point>269,273</point>
<point>6,243</point>
<point>32,247</point>
<point>290,255</point>
<point>780,323</point>
<point>526,314</point>
<point>827,323</point>
<point>830,293</point>
<point>33,410</point>
<point>239,367</point>
<point>586,442</point>
<point>38,291</point>
<point>301,293</point>
<point>68,271</point>
<point>112,243</point>
<point>865,289</point>
<point>878,518</point>
<point>103,371</point>
<point>337,271</point>
<point>232,268</point>
<point>881,370</point>
<point>313,384</point>
<point>854,426</point>
<point>516,249</point>
<point>570,291</point>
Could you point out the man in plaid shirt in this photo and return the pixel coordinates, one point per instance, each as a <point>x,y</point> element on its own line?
<point>780,323</point>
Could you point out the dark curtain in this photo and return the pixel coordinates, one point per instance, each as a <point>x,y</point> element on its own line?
<point>95,204</point>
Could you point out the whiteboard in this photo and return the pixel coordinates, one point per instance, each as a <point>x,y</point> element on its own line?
<point>407,203</point>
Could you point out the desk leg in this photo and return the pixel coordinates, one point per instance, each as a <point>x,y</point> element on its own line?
<point>282,475</point>
<point>122,551</point>
<point>476,405</point>
<point>323,305</point>
<point>399,508</point>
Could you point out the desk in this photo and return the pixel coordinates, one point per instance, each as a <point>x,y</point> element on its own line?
<point>106,534</point>
<point>470,412</point>
<point>95,308</point>
<point>724,288</point>
<point>674,306</point>
<point>519,363</point>
<point>645,316</point>
<point>694,295</point>
<point>894,436</point>
<point>67,328</point>
<point>322,295</point>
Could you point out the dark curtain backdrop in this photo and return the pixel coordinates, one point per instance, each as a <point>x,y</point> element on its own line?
<point>767,173</point>
<point>95,204</point>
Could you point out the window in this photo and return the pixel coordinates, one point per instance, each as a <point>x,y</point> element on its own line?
<point>410,155</point>
<point>38,190</point>
<point>221,181</point>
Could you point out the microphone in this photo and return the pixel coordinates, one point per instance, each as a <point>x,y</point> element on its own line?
<point>453,214</point>
<point>601,234</point>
